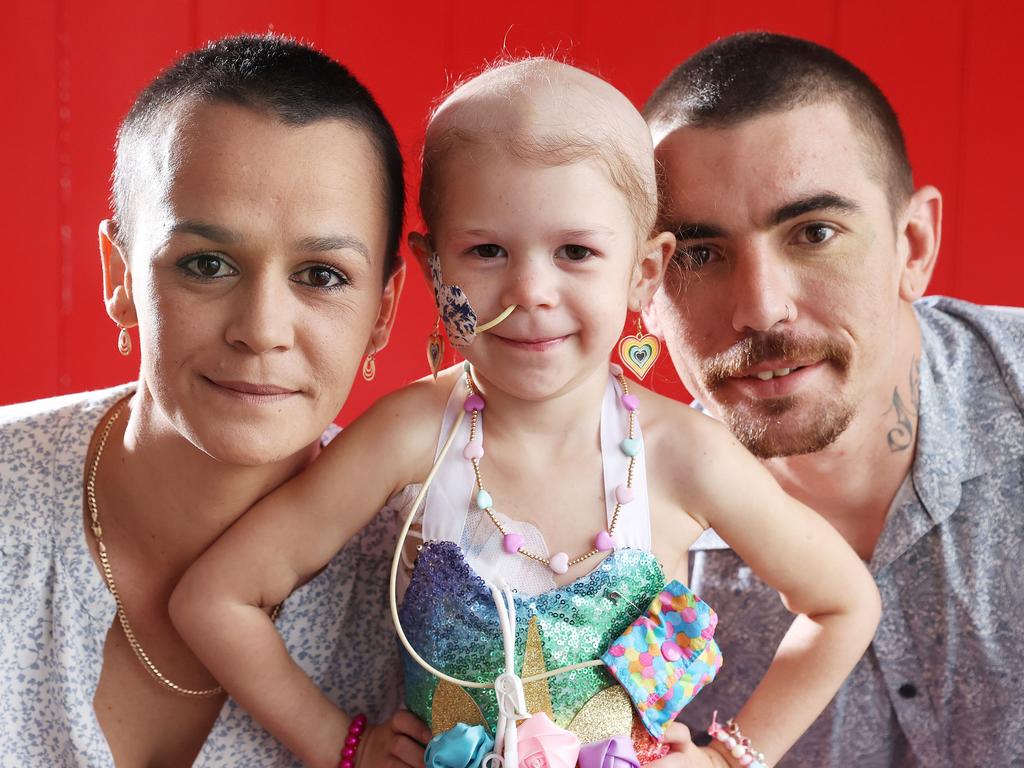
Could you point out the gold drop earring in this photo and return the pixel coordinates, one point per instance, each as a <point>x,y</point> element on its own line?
<point>435,348</point>
<point>639,351</point>
<point>124,341</point>
<point>370,366</point>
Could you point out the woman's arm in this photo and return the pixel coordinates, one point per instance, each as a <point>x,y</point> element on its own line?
<point>796,552</point>
<point>221,604</point>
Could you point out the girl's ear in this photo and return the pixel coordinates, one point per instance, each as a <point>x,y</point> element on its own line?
<point>117,277</point>
<point>421,248</point>
<point>650,269</point>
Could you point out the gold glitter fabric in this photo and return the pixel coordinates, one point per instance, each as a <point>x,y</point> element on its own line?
<point>450,618</point>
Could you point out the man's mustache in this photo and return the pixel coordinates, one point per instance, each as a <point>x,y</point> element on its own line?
<point>773,346</point>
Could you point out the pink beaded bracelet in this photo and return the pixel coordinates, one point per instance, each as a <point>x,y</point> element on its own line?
<point>739,746</point>
<point>355,735</point>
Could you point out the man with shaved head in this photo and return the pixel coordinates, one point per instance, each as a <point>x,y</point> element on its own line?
<point>793,313</point>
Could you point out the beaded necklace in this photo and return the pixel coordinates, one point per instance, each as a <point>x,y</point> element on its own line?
<point>512,542</point>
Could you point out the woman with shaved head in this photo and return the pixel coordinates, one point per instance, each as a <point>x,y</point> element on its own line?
<point>252,259</point>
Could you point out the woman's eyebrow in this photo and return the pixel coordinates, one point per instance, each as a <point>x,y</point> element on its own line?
<point>312,243</point>
<point>209,231</point>
<point>322,243</point>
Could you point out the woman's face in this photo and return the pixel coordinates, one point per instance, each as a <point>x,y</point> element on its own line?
<point>255,277</point>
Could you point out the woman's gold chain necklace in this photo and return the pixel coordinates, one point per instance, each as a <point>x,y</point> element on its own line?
<point>108,575</point>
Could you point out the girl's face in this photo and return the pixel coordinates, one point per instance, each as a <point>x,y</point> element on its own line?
<point>560,242</point>
<point>255,278</point>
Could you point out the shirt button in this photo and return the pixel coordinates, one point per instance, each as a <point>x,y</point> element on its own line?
<point>907,690</point>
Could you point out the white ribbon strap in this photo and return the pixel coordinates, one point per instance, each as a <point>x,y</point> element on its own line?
<point>508,687</point>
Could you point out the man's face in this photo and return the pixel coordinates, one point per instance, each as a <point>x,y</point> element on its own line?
<point>781,309</point>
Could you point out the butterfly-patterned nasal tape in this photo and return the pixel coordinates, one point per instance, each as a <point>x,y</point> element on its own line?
<point>457,314</point>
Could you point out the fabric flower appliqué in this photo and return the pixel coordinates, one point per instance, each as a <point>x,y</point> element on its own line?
<point>617,752</point>
<point>542,744</point>
<point>462,746</point>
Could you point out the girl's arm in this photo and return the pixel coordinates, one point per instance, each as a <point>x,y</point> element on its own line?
<point>796,552</point>
<point>221,605</point>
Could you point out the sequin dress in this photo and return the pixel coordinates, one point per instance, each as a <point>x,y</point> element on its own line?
<point>450,617</point>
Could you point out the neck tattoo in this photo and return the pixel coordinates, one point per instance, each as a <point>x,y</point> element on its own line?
<point>902,436</point>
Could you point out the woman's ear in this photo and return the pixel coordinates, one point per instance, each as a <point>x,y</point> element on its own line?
<point>919,239</point>
<point>117,276</point>
<point>650,269</point>
<point>388,309</point>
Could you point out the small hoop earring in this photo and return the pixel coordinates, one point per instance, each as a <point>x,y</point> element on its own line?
<point>370,366</point>
<point>124,341</point>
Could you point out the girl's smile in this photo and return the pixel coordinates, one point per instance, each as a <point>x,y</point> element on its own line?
<point>541,344</point>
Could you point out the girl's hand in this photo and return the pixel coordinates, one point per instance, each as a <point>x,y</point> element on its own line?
<point>683,753</point>
<point>397,743</point>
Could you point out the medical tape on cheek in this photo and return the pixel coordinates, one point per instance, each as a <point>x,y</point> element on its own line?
<point>457,314</point>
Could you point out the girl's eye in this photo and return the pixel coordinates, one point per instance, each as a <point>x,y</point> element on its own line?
<point>320,276</point>
<point>576,252</point>
<point>816,234</point>
<point>208,266</point>
<point>488,251</point>
<point>693,256</point>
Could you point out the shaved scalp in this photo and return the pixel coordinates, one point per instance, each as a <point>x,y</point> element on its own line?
<point>545,112</point>
<point>744,76</point>
<point>275,75</point>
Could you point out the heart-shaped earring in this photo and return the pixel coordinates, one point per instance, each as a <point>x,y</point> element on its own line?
<point>435,349</point>
<point>640,351</point>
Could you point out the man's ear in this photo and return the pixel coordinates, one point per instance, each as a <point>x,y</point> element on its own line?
<point>650,270</point>
<point>918,241</point>
<point>117,276</point>
<point>388,309</point>
<point>421,248</point>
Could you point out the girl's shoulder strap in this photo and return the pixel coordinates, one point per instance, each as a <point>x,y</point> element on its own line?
<point>634,526</point>
<point>447,501</point>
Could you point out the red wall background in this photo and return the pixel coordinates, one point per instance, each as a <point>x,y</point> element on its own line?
<point>69,71</point>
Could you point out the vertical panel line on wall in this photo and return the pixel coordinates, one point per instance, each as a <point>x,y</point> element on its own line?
<point>321,23</point>
<point>65,243</point>
<point>959,249</point>
<point>837,15</point>
<point>193,24</point>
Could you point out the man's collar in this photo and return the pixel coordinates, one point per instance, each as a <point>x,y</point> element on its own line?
<point>966,410</point>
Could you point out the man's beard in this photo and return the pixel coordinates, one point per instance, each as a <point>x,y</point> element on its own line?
<point>781,426</point>
<point>766,434</point>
